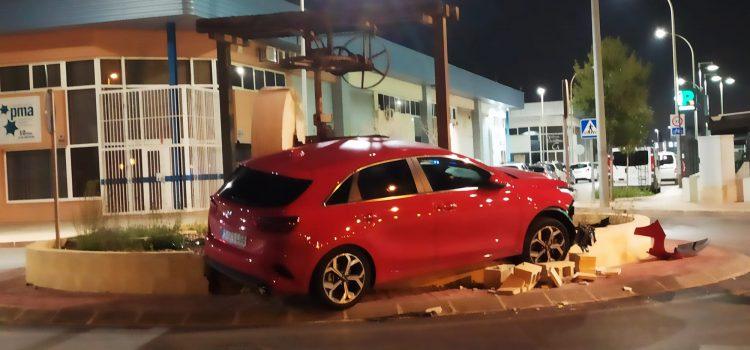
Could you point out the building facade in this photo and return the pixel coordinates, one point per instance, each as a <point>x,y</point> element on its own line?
<point>534,136</point>
<point>137,132</point>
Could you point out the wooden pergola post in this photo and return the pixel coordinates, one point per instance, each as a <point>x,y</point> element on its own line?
<point>442,90</point>
<point>228,133</point>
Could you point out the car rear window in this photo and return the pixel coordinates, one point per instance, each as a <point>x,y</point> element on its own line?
<point>260,189</point>
<point>578,166</point>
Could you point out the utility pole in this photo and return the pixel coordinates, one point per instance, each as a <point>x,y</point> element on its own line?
<point>600,113</point>
<point>676,92</point>
<point>303,73</point>
<point>566,141</point>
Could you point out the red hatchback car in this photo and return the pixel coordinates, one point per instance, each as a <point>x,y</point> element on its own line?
<point>336,218</point>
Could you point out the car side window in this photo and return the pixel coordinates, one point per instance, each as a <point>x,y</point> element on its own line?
<point>448,174</point>
<point>386,180</point>
<point>341,195</point>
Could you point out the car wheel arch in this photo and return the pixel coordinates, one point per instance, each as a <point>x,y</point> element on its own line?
<point>560,215</point>
<point>349,246</point>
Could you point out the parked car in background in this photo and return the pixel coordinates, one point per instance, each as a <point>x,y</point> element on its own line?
<point>519,166</point>
<point>546,169</point>
<point>329,218</point>
<point>636,169</point>
<point>582,171</point>
<point>667,167</point>
<point>559,169</point>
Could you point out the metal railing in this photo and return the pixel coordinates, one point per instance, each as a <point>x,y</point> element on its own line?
<point>160,149</point>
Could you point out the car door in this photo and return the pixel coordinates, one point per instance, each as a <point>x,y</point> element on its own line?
<point>388,210</point>
<point>473,223</point>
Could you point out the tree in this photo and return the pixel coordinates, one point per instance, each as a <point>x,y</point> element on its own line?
<point>626,80</point>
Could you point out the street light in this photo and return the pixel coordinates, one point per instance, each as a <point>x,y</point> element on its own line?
<point>660,33</point>
<point>542,130</point>
<point>676,87</point>
<point>681,81</point>
<point>721,81</point>
<point>657,139</point>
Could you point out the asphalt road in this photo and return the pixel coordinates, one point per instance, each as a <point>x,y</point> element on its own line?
<point>710,317</point>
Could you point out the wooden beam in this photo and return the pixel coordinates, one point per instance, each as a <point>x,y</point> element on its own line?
<point>228,133</point>
<point>442,90</point>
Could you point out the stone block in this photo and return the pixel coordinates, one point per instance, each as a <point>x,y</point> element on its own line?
<point>555,278</point>
<point>512,286</point>
<point>564,268</point>
<point>584,262</point>
<point>494,276</point>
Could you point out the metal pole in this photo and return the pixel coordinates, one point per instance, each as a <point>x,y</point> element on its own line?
<point>721,96</point>
<point>566,142</point>
<point>55,178</point>
<point>600,112</point>
<point>676,89</point>
<point>692,57</point>
<point>543,133</point>
<point>303,73</point>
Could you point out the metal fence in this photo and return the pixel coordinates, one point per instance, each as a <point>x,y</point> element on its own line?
<point>160,149</point>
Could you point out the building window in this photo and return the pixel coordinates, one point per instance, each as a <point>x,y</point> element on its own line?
<point>270,78</point>
<point>111,72</point>
<point>554,130</point>
<point>259,79</point>
<point>82,116</point>
<point>46,75</point>
<point>80,73</point>
<point>155,72</point>
<point>203,72</point>
<point>522,131</point>
<point>15,78</point>
<point>512,131</point>
<point>236,74</point>
<point>386,102</point>
<point>280,79</point>
<point>84,168</point>
<point>29,174</point>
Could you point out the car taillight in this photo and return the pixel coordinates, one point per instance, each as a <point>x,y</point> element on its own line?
<point>276,224</point>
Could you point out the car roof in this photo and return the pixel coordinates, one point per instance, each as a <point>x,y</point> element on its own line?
<point>340,157</point>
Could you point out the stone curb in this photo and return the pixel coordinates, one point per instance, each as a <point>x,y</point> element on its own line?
<point>58,308</point>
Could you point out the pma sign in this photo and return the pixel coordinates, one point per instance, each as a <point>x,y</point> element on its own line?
<point>20,120</point>
<point>686,100</point>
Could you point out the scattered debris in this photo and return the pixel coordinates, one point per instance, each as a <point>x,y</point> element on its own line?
<point>627,289</point>
<point>584,283</point>
<point>512,286</point>
<point>434,311</point>
<point>555,278</point>
<point>584,276</point>
<point>562,304</point>
<point>564,268</point>
<point>658,250</point>
<point>608,271</point>
<point>584,262</point>
<point>529,273</point>
<point>494,276</point>
<point>585,236</point>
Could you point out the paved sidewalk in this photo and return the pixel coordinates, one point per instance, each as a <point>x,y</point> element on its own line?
<point>24,305</point>
<point>670,199</point>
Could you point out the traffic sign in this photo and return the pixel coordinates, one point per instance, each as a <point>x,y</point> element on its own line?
<point>677,131</point>
<point>677,121</point>
<point>686,100</point>
<point>589,130</point>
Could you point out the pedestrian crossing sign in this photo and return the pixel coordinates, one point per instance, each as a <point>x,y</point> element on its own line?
<point>589,130</point>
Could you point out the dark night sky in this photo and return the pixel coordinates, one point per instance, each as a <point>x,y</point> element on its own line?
<point>528,43</point>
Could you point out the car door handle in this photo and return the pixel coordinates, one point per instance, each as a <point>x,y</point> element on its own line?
<point>447,207</point>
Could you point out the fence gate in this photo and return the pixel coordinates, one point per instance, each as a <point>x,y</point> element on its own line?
<point>160,149</point>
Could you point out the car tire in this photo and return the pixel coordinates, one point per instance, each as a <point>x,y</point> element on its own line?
<point>547,239</point>
<point>341,278</point>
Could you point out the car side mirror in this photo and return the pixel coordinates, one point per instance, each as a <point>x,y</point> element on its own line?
<point>494,182</point>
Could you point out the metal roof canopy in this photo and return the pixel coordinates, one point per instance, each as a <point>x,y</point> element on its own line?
<point>338,16</point>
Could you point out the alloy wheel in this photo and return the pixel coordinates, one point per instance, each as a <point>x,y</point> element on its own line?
<point>548,244</point>
<point>343,278</point>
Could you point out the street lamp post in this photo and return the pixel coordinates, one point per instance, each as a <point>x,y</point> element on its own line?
<point>661,33</point>
<point>599,102</point>
<point>676,87</point>
<point>542,125</point>
<point>721,81</point>
<point>657,139</point>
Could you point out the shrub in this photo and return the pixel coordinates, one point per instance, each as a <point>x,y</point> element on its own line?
<point>134,238</point>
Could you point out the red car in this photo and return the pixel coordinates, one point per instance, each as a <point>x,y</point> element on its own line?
<point>336,218</point>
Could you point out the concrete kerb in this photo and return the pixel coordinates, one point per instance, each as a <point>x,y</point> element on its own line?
<point>20,305</point>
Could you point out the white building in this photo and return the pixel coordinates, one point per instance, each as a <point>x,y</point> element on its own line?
<point>528,131</point>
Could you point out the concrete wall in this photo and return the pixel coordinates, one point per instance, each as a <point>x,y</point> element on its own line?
<point>115,272</point>
<point>716,183</point>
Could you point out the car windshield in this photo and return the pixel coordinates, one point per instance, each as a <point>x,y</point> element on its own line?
<point>260,189</point>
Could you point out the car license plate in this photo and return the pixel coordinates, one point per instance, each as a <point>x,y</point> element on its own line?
<point>233,238</point>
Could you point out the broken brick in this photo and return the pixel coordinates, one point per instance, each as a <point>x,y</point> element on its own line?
<point>584,262</point>
<point>494,276</point>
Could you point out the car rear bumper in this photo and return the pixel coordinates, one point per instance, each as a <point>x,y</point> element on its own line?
<point>258,269</point>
